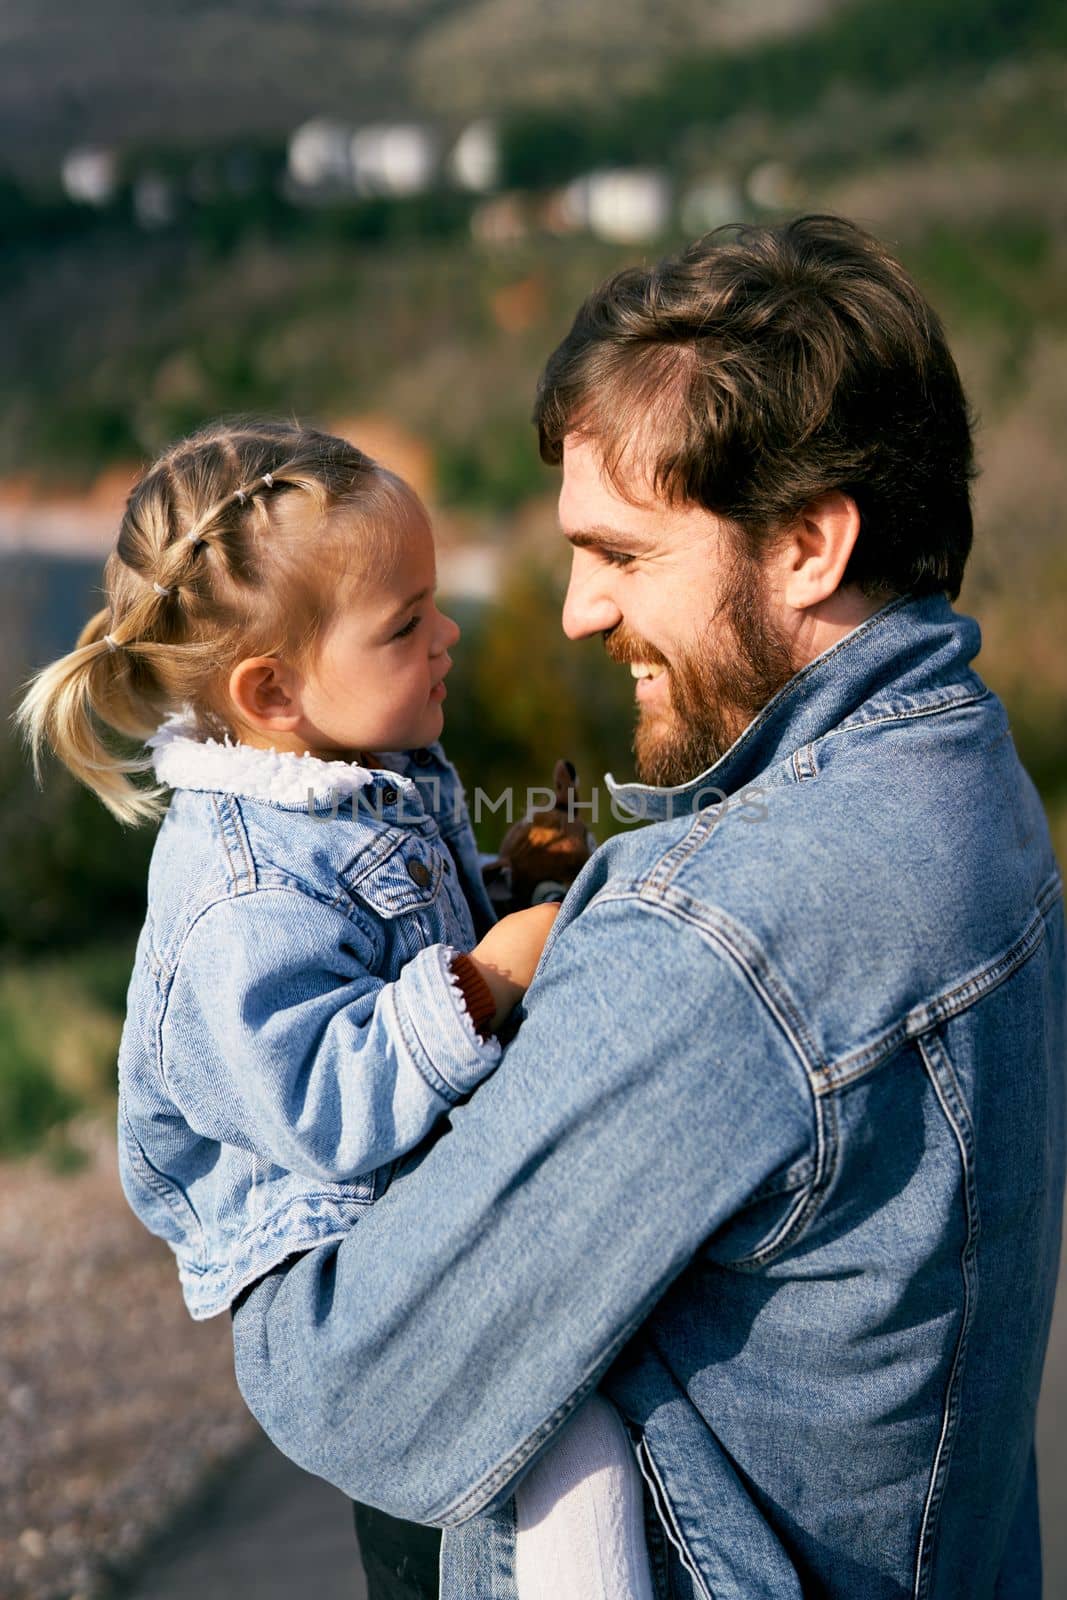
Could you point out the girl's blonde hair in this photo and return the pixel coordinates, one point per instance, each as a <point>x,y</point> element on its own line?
<point>229,547</point>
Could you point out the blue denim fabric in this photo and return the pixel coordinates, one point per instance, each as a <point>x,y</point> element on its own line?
<point>293,1024</point>
<point>777,1156</point>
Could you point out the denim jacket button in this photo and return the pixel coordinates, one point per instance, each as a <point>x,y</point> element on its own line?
<point>389,797</point>
<point>422,758</point>
<point>419,873</point>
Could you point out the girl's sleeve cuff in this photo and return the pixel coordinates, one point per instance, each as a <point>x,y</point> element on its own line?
<point>429,1009</point>
<point>477,995</point>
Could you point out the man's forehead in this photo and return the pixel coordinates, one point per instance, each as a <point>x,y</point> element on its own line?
<point>594,510</point>
<point>591,498</point>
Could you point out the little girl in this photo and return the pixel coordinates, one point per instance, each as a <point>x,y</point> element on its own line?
<point>306,1005</point>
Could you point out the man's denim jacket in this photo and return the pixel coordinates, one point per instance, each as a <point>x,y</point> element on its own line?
<point>789,1100</point>
<point>293,1023</point>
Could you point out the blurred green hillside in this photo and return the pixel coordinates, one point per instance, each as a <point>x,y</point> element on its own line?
<point>939,127</point>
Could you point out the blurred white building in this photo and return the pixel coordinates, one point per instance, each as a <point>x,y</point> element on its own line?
<point>320,154</point>
<point>395,159</point>
<point>474,160</point>
<point>626,205</point>
<point>155,203</point>
<point>90,175</point>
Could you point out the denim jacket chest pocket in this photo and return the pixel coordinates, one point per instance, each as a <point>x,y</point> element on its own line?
<point>407,882</point>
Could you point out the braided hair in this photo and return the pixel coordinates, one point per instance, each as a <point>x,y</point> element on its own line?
<point>241,540</point>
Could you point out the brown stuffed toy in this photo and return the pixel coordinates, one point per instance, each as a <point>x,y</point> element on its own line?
<point>540,857</point>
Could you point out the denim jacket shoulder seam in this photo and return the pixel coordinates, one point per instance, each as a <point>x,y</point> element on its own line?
<point>931,1014</point>
<point>805,760</point>
<point>735,942</point>
<point>730,939</point>
<point>717,927</point>
<point>232,829</point>
<point>669,864</point>
<point>797,1187</point>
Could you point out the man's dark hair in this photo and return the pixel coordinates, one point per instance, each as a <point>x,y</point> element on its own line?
<point>765,366</point>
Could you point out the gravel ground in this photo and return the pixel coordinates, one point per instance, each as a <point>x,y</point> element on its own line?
<point>118,1405</point>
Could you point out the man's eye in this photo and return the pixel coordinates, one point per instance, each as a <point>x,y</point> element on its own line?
<point>617,558</point>
<point>409,627</point>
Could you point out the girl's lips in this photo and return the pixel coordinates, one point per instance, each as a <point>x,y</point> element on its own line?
<point>438,691</point>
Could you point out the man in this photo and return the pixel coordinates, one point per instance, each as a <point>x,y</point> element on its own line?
<point>777,1156</point>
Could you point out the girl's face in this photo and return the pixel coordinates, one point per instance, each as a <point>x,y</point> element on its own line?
<point>378,679</point>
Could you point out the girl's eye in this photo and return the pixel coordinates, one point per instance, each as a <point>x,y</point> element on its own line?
<point>409,627</point>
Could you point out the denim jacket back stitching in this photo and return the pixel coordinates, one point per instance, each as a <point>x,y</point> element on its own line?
<point>925,1018</point>
<point>232,832</point>
<point>953,1103</point>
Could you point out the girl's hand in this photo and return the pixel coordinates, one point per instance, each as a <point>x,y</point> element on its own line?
<point>508,954</point>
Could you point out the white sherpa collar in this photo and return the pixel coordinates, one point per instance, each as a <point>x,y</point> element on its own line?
<point>182,761</point>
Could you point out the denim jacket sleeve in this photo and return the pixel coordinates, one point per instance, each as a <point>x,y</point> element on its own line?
<point>278,1037</point>
<point>649,1096</point>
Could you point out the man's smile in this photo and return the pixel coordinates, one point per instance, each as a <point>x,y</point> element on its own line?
<point>648,676</point>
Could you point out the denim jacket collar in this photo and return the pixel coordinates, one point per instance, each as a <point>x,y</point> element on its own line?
<point>917,645</point>
<point>279,777</point>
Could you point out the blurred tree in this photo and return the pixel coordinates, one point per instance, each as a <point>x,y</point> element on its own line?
<point>495,468</point>
<point>69,874</point>
<point>539,149</point>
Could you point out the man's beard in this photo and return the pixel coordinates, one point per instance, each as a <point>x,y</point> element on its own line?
<point>714,690</point>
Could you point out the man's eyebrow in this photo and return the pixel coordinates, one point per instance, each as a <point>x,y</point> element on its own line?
<point>601,537</point>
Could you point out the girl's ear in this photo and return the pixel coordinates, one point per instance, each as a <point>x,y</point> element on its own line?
<point>266,694</point>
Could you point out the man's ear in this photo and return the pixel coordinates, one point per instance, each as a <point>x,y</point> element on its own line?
<point>266,694</point>
<point>817,548</point>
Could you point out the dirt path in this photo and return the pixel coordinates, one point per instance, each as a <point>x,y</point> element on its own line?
<point>267,1531</point>
<point>118,1405</point>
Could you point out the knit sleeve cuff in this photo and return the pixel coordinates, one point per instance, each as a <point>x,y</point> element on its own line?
<point>477,995</point>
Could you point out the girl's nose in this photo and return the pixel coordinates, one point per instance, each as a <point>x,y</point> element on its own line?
<point>447,633</point>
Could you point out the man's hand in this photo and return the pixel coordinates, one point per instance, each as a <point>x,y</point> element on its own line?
<point>508,954</point>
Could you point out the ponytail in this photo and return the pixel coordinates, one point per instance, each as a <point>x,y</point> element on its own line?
<point>67,706</point>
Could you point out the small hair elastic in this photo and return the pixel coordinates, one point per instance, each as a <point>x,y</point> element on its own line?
<point>111,643</point>
<point>268,479</point>
<point>162,589</point>
<point>241,497</point>
<point>194,536</point>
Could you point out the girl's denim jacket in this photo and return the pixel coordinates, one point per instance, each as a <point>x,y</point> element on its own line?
<point>293,1023</point>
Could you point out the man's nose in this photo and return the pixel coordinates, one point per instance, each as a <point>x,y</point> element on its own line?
<point>588,607</point>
